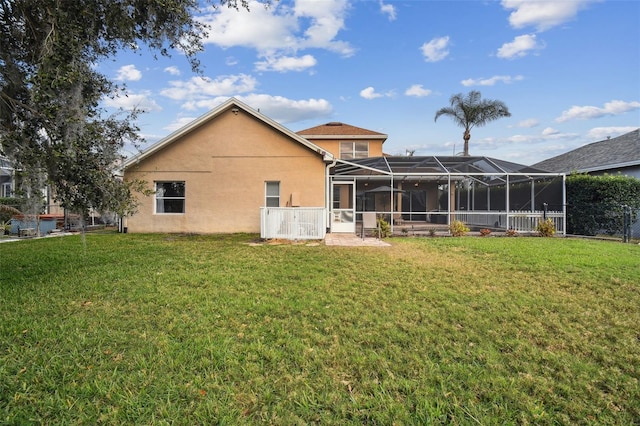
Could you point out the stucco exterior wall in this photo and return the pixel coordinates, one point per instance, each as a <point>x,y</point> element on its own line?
<point>225,164</point>
<point>333,145</point>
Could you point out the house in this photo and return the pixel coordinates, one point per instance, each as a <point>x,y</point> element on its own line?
<point>6,177</point>
<point>612,156</point>
<point>213,175</point>
<point>619,155</point>
<point>236,170</point>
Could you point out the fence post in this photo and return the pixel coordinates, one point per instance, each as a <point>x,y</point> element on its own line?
<point>626,224</point>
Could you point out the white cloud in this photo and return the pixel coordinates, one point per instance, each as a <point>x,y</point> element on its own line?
<point>172,70</point>
<point>179,123</point>
<point>614,107</point>
<point>418,91</point>
<point>542,15</point>
<point>519,47</point>
<point>507,79</point>
<point>278,108</point>
<point>602,133</point>
<point>370,93</point>
<point>286,63</point>
<point>436,49</point>
<point>203,87</point>
<point>528,123</point>
<point>280,27</point>
<point>130,100</point>
<point>128,73</point>
<point>388,9</point>
<point>547,135</point>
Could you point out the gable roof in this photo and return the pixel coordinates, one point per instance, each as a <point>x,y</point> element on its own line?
<point>621,151</point>
<point>337,130</point>
<point>231,103</point>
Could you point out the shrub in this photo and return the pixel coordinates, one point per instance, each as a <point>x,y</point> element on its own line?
<point>546,228</point>
<point>432,232</point>
<point>511,233</point>
<point>484,232</point>
<point>595,203</point>
<point>384,227</point>
<point>458,228</point>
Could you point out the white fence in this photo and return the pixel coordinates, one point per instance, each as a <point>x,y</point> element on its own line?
<point>528,221</point>
<point>293,223</point>
<point>520,221</point>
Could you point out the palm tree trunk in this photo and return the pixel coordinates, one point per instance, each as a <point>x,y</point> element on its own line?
<point>467,136</point>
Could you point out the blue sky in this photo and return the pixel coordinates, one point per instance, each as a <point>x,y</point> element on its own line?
<point>569,71</point>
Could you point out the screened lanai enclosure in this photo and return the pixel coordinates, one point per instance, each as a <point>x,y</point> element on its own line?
<point>416,194</point>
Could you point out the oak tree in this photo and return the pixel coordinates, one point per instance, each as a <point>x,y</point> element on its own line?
<point>52,125</point>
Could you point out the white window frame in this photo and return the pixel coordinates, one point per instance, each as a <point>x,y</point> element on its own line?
<point>6,190</point>
<point>349,151</point>
<point>159,197</point>
<point>269,197</point>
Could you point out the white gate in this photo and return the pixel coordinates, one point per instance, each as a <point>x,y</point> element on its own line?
<point>293,223</point>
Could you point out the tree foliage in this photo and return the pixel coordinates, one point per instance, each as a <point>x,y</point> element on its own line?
<point>470,110</point>
<point>51,123</point>
<point>596,203</point>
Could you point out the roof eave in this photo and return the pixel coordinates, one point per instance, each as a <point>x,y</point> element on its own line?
<point>608,167</point>
<point>329,137</point>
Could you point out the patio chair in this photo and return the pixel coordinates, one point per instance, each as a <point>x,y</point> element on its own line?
<point>370,221</point>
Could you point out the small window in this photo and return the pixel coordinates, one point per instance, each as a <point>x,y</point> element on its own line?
<point>272,191</point>
<point>5,191</point>
<point>353,150</point>
<point>170,197</point>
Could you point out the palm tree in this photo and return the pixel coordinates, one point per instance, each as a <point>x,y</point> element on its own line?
<point>470,110</point>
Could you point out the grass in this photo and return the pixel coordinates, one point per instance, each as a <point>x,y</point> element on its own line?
<point>169,329</point>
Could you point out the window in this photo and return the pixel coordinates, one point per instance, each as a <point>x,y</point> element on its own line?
<point>352,150</point>
<point>5,191</point>
<point>272,191</point>
<point>170,197</point>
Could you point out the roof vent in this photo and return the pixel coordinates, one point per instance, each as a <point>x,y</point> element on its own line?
<point>334,123</point>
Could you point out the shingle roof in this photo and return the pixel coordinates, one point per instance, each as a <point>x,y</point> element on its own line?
<point>621,151</point>
<point>339,129</point>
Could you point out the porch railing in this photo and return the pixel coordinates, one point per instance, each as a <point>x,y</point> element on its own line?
<point>293,223</point>
<point>528,221</point>
<point>520,221</point>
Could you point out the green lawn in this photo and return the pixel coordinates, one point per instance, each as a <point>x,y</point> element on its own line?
<point>169,329</point>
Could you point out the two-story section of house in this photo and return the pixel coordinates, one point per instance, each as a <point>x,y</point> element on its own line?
<point>344,141</point>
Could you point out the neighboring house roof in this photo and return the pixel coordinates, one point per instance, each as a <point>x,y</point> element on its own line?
<point>337,130</point>
<point>205,118</point>
<point>614,153</point>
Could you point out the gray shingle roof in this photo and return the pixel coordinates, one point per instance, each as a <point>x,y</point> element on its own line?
<point>621,151</point>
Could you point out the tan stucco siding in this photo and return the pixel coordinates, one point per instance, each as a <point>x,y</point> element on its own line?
<point>225,165</point>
